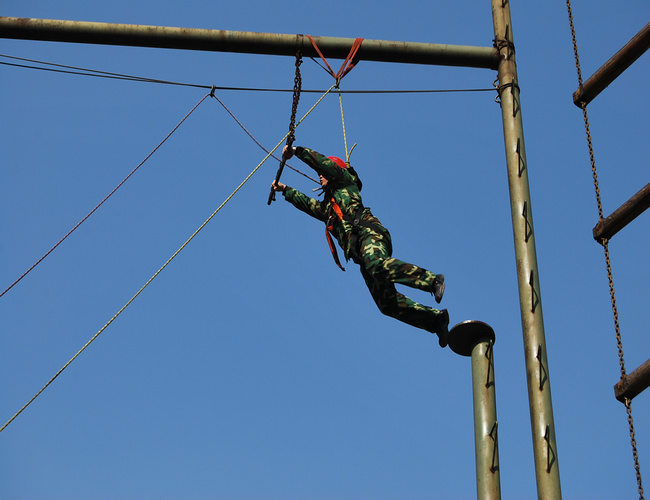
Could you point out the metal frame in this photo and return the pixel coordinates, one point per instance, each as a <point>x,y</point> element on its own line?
<point>500,57</point>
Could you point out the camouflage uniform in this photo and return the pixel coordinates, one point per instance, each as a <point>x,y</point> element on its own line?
<point>371,248</point>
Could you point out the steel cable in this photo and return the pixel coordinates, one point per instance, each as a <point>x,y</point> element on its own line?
<point>105,199</point>
<point>161,268</point>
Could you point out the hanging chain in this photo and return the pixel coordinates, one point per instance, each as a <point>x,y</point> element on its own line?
<point>605,244</point>
<point>297,86</point>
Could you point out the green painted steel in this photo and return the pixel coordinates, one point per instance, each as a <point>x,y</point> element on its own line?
<point>537,369</point>
<point>501,58</point>
<point>244,42</point>
<point>488,476</point>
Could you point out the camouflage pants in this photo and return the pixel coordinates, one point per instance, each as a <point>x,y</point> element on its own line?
<point>381,271</point>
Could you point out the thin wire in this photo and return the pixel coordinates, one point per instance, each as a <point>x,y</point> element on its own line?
<point>73,70</point>
<point>105,199</point>
<point>257,142</point>
<point>163,266</point>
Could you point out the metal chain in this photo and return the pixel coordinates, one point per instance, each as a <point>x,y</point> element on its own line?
<point>297,86</point>
<point>605,244</point>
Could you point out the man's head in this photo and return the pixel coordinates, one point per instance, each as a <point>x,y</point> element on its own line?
<point>338,161</point>
<point>323,181</point>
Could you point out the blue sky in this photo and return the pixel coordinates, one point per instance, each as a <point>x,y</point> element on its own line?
<point>251,367</point>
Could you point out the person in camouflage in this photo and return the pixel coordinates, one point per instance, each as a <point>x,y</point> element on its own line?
<point>364,240</point>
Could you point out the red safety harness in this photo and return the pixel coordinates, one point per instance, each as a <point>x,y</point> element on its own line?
<point>357,223</point>
<point>329,228</point>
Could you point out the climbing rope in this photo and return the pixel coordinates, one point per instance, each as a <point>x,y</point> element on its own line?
<point>163,266</point>
<point>105,199</point>
<point>345,138</point>
<point>605,244</point>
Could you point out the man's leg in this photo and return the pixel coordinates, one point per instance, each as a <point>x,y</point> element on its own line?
<point>376,258</point>
<point>392,303</point>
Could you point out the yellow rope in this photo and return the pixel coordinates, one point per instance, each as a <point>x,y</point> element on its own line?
<point>163,267</point>
<point>345,139</point>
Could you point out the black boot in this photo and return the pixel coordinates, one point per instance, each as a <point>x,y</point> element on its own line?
<point>438,287</point>
<point>441,327</point>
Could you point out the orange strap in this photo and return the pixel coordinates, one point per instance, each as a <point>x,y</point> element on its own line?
<point>337,209</point>
<point>349,62</point>
<point>333,248</point>
<point>328,228</point>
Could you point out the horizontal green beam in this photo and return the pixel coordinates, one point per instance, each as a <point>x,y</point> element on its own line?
<point>244,42</point>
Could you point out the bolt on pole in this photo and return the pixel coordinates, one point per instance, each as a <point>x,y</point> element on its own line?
<point>537,369</point>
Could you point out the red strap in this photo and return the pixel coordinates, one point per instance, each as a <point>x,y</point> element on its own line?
<point>349,62</point>
<point>337,209</point>
<point>339,214</point>
<point>333,248</point>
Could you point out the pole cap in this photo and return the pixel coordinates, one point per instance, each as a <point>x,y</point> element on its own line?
<point>466,335</point>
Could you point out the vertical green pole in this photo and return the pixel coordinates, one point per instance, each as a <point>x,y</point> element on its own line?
<point>537,372</point>
<point>476,339</point>
<point>488,483</point>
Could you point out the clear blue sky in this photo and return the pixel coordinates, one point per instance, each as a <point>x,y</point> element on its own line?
<point>251,367</point>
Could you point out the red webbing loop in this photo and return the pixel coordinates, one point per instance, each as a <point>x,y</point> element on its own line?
<point>347,65</point>
<point>333,248</point>
<point>337,209</point>
<point>328,228</point>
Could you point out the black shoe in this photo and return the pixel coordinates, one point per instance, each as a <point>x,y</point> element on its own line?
<point>441,327</point>
<point>439,287</point>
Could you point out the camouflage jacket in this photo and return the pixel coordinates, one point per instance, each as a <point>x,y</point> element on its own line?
<point>342,188</point>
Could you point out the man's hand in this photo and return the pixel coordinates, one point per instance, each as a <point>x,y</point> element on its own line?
<point>287,152</point>
<point>278,186</point>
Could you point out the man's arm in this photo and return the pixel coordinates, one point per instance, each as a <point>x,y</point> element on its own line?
<point>301,201</point>
<point>321,164</point>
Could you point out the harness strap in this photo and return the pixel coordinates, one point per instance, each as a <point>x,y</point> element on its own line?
<point>337,209</point>
<point>349,63</point>
<point>329,228</point>
<point>333,247</point>
<point>356,221</point>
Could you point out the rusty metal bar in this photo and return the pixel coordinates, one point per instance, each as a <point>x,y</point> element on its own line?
<point>633,384</point>
<point>245,42</point>
<point>623,215</point>
<point>609,71</point>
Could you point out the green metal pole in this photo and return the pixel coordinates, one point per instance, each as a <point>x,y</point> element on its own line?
<point>476,339</point>
<point>245,42</point>
<point>488,483</point>
<point>537,369</point>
